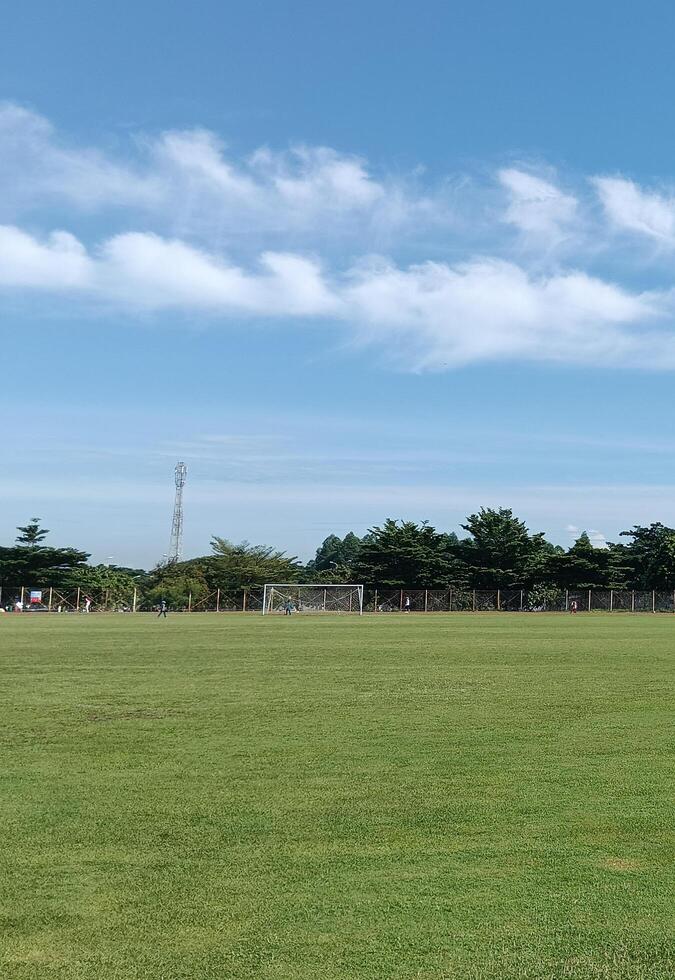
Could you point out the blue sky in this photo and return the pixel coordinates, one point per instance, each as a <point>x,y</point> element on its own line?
<point>348,261</point>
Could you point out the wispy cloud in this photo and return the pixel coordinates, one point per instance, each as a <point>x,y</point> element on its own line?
<point>37,167</point>
<point>315,223</point>
<point>185,181</point>
<point>537,206</point>
<point>630,208</point>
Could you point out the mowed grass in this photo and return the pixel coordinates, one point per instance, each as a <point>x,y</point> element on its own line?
<point>467,796</point>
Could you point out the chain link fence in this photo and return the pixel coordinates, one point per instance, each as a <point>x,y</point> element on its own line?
<point>47,599</point>
<point>26,599</point>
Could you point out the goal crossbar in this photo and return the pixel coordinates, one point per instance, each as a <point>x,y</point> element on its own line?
<point>308,597</point>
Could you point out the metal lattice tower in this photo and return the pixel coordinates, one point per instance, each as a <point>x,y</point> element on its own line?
<point>176,545</point>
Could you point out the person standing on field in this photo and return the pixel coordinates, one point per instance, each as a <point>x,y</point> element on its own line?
<point>574,606</point>
<point>163,609</point>
<point>406,604</point>
<point>87,604</point>
<point>289,607</point>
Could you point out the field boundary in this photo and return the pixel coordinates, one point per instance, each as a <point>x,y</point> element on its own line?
<point>50,599</point>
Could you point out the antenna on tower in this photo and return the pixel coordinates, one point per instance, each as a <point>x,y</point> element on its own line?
<point>176,545</point>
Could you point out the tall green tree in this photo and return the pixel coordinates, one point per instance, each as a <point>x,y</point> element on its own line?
<point>581,567</point>
<point>403,553</point>
<point>501,552</point>
<point>114,584</point>
<point>230,567</point>
<point>32,563</point>
<point>177,584</point>
<point>32,534</point>
<point>336,551</point>
<point>650,556</point>
<point>237,566</point>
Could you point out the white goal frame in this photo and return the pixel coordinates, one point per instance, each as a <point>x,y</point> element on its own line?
<point>324,597</point>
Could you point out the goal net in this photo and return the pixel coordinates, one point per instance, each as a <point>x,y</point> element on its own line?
<point>292,598</point>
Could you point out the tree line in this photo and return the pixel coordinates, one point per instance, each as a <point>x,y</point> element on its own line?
<point>497,551</point>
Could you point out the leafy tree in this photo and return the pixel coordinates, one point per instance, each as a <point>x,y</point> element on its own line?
<point>650,557</point>
<point>105,581</point>
<point>33,564</point>
<point>32,534</point>
<point>230,567</point>
<point>39,566</point>
<point>334,574</point>
<point>237,566</point>
<point>620,569</point>
<point>327,554</point>
<point>501,552</point>
<point>542,597</point>
<point>176,583</point>
<point>581,567</point>
<point>335,551</point>
<point>351,546</point>
<point>402,553</point>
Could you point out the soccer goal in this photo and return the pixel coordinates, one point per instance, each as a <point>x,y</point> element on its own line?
<point>290,598</point>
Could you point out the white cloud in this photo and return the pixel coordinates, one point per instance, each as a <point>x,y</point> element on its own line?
<point>282,236</point>
<point>146,270</point>
<point>537,206</point>
<point>489,309</point>
<point>36,168</point>
<point>60,262</point>
<point>429,316</point>
<point>630,208</point>
<point>197,156</point>
<point>319,178</point>
<point>188,184</point>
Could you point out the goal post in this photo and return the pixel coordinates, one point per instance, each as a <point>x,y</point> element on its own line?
<point>322,598</point>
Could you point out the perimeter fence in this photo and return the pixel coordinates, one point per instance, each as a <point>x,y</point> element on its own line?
<point>376,600</point>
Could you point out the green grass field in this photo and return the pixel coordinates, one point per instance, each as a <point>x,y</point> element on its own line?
<point>467,796</point>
